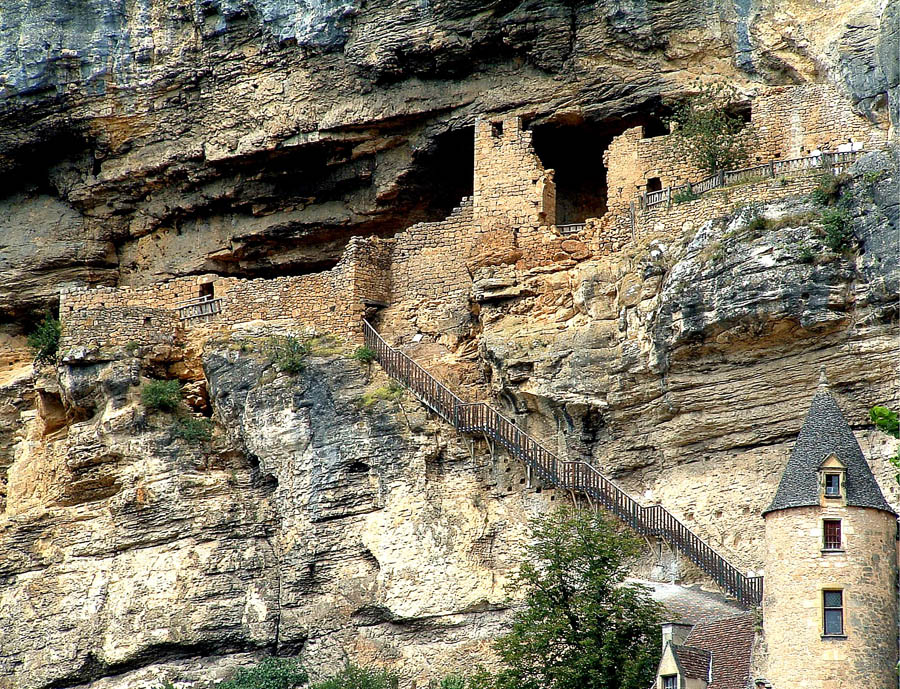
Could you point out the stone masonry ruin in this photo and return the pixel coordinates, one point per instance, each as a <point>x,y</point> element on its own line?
<point>421,278</point>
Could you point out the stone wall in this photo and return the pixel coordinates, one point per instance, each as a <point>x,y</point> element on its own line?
<point>793,121</point>
<point>120,326</point>
<point>331,301</point>
<point>511,187</point>
<point>796,574</point>
<point>788,122</point>
<point>430,281</point>
<point>162,295</point>
<point>669,220</point>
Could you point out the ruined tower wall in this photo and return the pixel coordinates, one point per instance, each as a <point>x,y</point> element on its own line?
<point>511,187</point>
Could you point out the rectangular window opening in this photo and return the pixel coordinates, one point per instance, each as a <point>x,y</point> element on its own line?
<point>832,534</point>
<point>832,485</point>
<point>833,608</point>
<point>496,129</point>
<point>669,682</point>
<point>654,184</point>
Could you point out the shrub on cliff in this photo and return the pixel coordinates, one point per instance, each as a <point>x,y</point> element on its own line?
<point>580,626</point>
<point>287,353</point>
<point>478,679</point>
<point>364,355</point>
<point>828,189</point>
<point>706,131</point>
<point>887,421</point>
<point>353,677</point>
<point>44,341</point>
<point>836,226</point>
<point>271,673</point>
<point>164,395</point>
<point>194,430</point>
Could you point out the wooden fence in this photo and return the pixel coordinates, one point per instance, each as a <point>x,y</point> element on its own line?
<point>581,477</point>
<point>833,162</point>
<point>200,309</point>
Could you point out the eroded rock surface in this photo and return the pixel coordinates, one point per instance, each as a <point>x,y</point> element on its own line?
<point>255,137</point>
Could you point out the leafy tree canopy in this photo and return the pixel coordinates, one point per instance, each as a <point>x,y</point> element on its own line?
<point>703,128</point>
<point>581,626</point>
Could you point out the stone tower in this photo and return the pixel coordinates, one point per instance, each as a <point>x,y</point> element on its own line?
<point>830,611</point>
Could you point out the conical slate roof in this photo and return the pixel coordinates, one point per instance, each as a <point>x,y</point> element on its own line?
<point>826,432</point>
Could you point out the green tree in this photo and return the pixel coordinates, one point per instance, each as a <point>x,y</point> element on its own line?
<point>581,626</point>
<point>271,673</point>
<point>703,128</point>
<point>44,341</point>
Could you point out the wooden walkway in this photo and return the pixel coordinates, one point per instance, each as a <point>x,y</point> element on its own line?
<point>577,476</point>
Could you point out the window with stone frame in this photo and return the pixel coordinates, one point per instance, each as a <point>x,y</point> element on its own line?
<point>831,532</point>
<point>832,485</point>
<point>670,682</point>
<point>833,612</point>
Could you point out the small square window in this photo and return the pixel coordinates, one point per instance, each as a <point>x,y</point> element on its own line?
<point>833,608</point>
<point>832,534</point>
<point>832,485</point>
<point>654,184</point>
<point>670,681</point>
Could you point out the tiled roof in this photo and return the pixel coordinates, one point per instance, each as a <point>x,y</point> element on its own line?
<point>824,432</point>
<point>694,662</point>
<point>690,605</point>
<point>729,642</point>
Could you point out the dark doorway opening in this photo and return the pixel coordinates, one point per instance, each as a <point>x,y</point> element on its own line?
<point>442,173</point>
<point>573,147</point>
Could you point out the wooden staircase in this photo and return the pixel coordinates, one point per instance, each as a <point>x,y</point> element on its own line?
<point>576,476</point>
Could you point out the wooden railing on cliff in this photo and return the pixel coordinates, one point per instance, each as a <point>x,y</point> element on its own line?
<point>576,476</point>
<point>833,162</point>
<point>201,308</point>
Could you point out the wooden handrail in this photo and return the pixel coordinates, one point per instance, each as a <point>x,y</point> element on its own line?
<point>199,308</point>
<point>834,161</point>
<point>479,418</point>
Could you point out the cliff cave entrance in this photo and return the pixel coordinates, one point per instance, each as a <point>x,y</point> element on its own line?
<point>573,147</point>
<point>442,173</point>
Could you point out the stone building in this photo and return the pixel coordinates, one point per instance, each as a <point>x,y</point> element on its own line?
<point>830,603</point>
<point>830,607</point>
<point>711,654</point>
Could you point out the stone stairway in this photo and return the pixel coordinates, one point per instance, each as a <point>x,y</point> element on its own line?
<point>576,476</point>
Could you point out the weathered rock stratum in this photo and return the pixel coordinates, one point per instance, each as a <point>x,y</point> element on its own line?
<point>329,516</point>
<point>145,140</point>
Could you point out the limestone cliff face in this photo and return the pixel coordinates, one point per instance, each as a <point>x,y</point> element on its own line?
<point>320,523</point>
<point>151,139</point>
<point>687,368</point>
<point>312,524</point>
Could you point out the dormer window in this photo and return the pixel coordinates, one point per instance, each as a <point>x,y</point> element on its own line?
<point>832,480</point>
